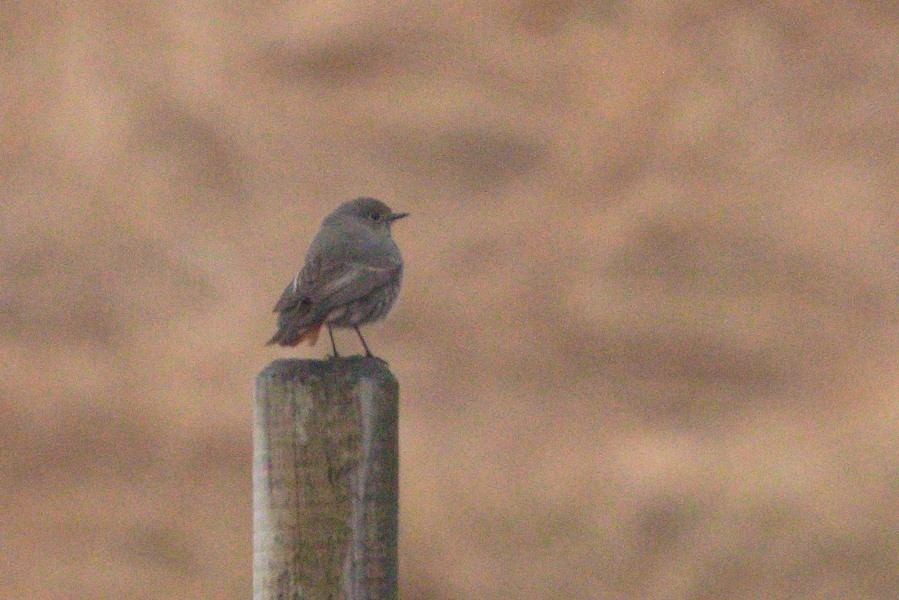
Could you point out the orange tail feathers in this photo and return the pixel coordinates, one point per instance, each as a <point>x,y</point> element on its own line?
<point>285,337</point>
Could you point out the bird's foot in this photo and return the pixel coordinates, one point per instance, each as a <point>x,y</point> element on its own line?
<point>378,358</point>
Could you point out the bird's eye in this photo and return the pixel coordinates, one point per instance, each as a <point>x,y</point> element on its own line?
<point>375,217</point>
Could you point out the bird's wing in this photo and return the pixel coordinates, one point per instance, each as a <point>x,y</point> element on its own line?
<point>333,283</point>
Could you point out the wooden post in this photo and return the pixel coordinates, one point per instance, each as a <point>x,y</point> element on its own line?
<point>325,480</point>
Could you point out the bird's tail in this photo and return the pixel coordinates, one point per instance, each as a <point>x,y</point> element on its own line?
<point>291,336</point>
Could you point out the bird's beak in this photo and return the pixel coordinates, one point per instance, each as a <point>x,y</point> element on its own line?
<point>396,216</point>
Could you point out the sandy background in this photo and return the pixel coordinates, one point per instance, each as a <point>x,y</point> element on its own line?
<point>648,342</point>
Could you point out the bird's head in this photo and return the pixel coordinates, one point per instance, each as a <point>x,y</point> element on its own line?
<point>372,213</point>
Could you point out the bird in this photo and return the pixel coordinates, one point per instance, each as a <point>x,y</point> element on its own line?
<point>351,276</point>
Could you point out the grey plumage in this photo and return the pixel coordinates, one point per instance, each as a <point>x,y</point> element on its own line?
<point>351,276</point>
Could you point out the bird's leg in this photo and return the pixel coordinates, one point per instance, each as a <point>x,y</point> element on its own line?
<point>333,345</point>
<point>362,339</point>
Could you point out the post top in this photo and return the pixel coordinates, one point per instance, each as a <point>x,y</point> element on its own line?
<point>351,368</point>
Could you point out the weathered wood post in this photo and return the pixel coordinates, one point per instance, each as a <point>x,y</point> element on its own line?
<point>325,480</point>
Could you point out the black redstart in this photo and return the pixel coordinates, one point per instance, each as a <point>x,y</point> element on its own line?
<point>351,276</point>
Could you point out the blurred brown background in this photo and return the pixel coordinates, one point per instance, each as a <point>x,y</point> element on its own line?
<point>647,343</point>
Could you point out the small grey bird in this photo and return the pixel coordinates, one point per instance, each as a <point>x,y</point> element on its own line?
<point>351,277</point>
